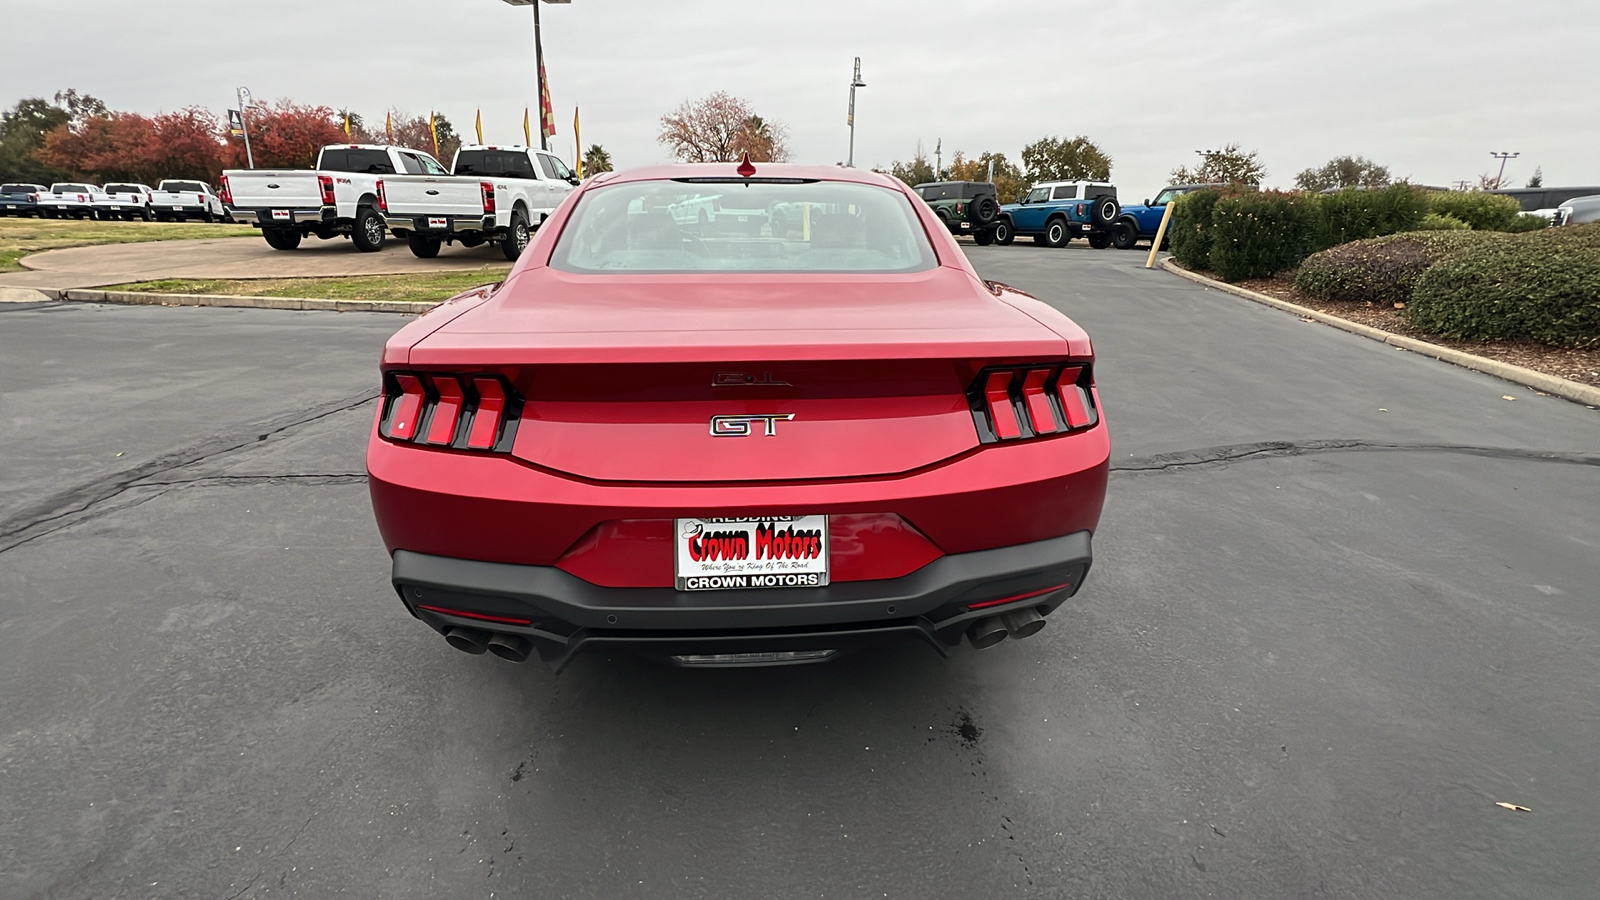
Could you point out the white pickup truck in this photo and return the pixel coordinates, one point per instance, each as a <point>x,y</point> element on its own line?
<point>69,200</point>
<point>123,200</point>
<point>497,194</point>
<point>338,197</point>
<point>180,199</point>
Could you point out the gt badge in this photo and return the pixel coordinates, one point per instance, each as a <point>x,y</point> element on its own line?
<point>740,426</point>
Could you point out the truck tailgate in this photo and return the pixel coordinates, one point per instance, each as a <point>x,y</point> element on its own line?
<point>263,189</point>
<point>433,195</point>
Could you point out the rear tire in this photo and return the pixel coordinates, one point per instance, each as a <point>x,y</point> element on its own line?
<point>1056,233</point>
<point>281,239</point>
<point>983,237</point>
<point>983,210</point>
<point>1099,240</point>
<point>1105,210</point>
<point>1004,234</point>
<point>1124,236</point>
<point>516,237</point>
<point>368,232</point>
<point>422,246</point>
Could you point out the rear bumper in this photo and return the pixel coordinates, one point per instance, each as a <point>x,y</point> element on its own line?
<point>457,224</point>
<point>565,615</point>
<point>264,216</point>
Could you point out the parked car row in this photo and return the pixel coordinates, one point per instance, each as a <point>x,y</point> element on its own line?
<point>172,200</point>
<point>491,194</point>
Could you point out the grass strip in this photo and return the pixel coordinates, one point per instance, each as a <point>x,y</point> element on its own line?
<point>20,237</point>
<point>430,287</point>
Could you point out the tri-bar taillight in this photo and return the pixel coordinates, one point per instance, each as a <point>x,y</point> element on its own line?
<point>463,411</point>
<point>487,190</point>
<point>325,186</point>
<point>225,191</point>
<point>1013,403</point>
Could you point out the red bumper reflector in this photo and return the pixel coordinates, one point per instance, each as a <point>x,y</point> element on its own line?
<point>997,392</point>
<point>407,407</point>
<point>1039,409</point>
<point>486,424</point>
<point>442,427</point>
<point>483,617</point>
<point>1013,599</point>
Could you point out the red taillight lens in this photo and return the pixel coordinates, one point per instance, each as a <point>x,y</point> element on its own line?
<point>1082,207</point>
<point>467,412</point>
<point>325,182</point>
<point>227,192</point>
<point>488,197</point>
<point>383,199</point>
<point>1018,402</point>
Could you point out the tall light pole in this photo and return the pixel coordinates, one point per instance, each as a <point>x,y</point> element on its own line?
<point>855,82</point>
<point>1500,179</point>
<point>244,126</point>
<point>538,61</point>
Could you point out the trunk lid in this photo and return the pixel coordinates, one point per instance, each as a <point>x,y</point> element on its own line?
<point>257,189</point>
<point>431,195</point>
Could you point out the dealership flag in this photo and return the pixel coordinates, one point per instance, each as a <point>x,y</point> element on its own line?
<point>547,115</point>
<point>346,124</point>
<point>235,123</point>
<point>479,126</point>
<point>433,126</point>
<point>527,136</point>
<point>577,143</point>
<point>388,125</point>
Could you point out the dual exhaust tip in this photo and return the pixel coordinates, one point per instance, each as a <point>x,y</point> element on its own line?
<point>1016,623</point>
<point>476,641</point>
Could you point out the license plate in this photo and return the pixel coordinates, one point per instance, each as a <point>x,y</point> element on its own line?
<point>177,208</point>
<point>747,553</point>
<point>743,219</point>
<point>9,206</point>
<point>435,222</point>
<point>280,215</point>
<point>116,209</point>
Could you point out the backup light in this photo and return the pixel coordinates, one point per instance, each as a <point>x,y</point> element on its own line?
<point>1023,402</point>
<point>465,412</point>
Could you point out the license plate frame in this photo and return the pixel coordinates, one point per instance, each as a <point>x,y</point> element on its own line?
<point>280,215</point>
<point>437,223</point>
<point>750,553</point>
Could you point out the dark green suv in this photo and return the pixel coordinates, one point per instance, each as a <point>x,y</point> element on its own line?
<point>965,207</point>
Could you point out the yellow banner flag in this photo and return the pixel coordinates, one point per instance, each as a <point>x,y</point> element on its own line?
<point>433,126</point>
<point>577,144</point>
<point>527,136</point>
<point>479,126</point>
<point>346,124</point>
<point>388,126</point>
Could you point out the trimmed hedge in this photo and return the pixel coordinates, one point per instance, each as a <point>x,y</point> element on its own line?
<point>1437,222</point>
<point>1527,287</point>
<point>1353,215</point>
<point>1385,269</point>
<point>1528,222</point>
<point>1261,233</point>
<point>1190,228</point>
<point>1482,212</point>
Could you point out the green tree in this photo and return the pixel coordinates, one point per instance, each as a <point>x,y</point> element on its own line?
<point>596,160</point>
<point>22,131</point>
<point>81,106</point>
<point>1537,180</point>
<point>1009,181</point>
<point>1343,172</point>
<point>1057,159</point>
<point>1229,165</point>
<point>916,171</point>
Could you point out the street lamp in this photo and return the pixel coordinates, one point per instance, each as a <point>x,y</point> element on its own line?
<point>855,82</point>
<point>1500,179</point>
<point>538,60</point>
<point>244,126</point>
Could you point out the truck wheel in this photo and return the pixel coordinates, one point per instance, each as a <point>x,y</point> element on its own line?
<point>368,233</point>
<point>280,238</point>
<point>1056,233</point>
<point>1003,232</point>
<point>1099,240</point>
<point>145,214</point>
<point>1124,236</point>
<point>1105,210</point>
<point>516,237</point>
<point>983,210</point>
<point>422,246</point>
<point>983,237</point>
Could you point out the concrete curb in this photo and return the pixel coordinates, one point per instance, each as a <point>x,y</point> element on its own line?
<point>140,298</point>
<point>1539,381</point>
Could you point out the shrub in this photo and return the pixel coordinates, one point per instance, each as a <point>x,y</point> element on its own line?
<point>1190,228</point>
<point>1482,212</point>
<point>1262,233</point>
<point>1383,270</point>
<point>1352,215</point>
<point>1437,222</point>
<point>1526,222</point>
<point>1524,287</point>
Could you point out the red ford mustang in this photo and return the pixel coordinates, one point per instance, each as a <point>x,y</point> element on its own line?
<point>768,441</point>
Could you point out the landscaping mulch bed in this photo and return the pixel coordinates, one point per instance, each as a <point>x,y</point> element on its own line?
<point>1582,366</point>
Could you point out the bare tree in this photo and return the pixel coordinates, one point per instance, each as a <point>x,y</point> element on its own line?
<point>1229,165</point>
<point>722,128</point>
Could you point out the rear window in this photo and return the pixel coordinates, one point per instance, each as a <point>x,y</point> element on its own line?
<point>17,189</point>
<point>183,186</point>
<point>123,189</point>
<point>811,226</point>
<point>368,162</point>
<point>64,188</point>
<point>497,163</point>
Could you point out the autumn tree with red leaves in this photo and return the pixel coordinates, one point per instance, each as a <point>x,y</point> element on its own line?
<point>722,128</point>
<point>120,146</point>
<point>286,135</point>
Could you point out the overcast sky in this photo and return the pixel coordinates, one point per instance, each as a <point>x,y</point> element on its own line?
<point>1425,87</point>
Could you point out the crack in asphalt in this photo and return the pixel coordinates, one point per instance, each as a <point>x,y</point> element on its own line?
<point>80,503</point>
<point>1229,453</point>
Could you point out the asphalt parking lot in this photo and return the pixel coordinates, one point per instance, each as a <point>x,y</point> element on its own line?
<point>1344,602</point>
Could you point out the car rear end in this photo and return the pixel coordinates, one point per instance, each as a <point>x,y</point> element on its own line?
<point>286,199</point>
<point>21,200</point>
<point>738,469</point>
<point>180,200</point>
<point>436,206</point>
<point>123,201</point>
<point>69,201</point>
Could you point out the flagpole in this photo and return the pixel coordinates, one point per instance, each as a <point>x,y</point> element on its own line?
<point>538,58</point>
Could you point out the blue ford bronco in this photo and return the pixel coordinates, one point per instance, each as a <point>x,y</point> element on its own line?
<point>1055,212</point>
<point>1140,222</point>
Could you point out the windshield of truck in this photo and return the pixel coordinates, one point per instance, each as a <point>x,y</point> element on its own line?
<point>181,186</point>
<point>495,163</point>
<point>810,226</point>
<point>367,162</point>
